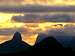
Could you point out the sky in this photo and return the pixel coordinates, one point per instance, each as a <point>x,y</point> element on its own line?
<point>32,17</point>
<point>38,2</point>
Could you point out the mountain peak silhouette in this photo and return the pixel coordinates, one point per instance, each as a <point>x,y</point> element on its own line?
<point>41,37</point>
<point>14,45</point>
<point>17,37</point>
<point>49,43</point>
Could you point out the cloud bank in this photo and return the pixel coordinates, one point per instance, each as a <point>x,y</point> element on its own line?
<point>68,30</point>
<point>10,31</point>
<point>27,18</point>
<point>32,18</point>
<point>35,8</point>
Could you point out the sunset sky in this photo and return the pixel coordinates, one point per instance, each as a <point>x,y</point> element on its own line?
<point>38,2</point>
<point>31,24</point>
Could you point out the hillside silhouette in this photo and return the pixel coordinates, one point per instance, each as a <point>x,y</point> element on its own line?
<point>14,45</point>
<point>72,44</point>
<point>49,43</point>
<point>43,44</point>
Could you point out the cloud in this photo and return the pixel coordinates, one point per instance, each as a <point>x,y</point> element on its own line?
<point>26,8</point>
<point>63,35</point>
<point>59,18</point>
<point>68,30</point>
<point>6,31</point>
<point>27,18</point>
<point>10,31</point>
<point>36,18</point>
<point>35,8</point>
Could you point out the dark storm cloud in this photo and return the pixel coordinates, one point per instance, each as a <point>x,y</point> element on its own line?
<point>26,8</point>
<point>27,18</point>
<point>59,18</point>
<point>32,18</point>
<point>36,8</point>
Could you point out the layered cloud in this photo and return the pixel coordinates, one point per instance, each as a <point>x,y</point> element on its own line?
<point>34,18</point>
<point>35,8</point>
<point>27,18</point>
<point>68,30</point>
<point>26,8</point>
<point>59,18</point>
<point>39,2</point>
<point>10,31</point>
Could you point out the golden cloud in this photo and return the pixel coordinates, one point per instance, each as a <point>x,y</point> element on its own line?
<point>38,2</point>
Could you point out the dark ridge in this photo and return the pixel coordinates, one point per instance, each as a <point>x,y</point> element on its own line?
<point>50,45</point>
<point>49,42</point>
<point>41,37</point>
<point>17,38</point>
<point>72,43</point>
<point>14,45</point>
<point>45,45</point>
<point>45,41</point>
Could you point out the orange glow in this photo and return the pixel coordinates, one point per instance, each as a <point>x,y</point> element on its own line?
<point>30,39</point>
<point>33,28</point>
<point>37,2</point>
<point>50,2</point>
<point>45,25</point>
<point>4,38</point>
<point>40,27</point>
<point>5,20</point>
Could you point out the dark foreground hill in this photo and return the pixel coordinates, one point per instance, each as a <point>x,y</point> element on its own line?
<point>14,45</point>
<point>48,44</point>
